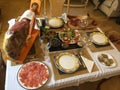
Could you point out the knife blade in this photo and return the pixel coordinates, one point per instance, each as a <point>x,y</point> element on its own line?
<point>80,59</point>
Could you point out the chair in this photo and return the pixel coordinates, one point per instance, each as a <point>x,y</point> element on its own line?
<point>56,7</point>
<point>81,3</point>
<point>111,8</point>
<point>110,84</point>
<point>114,36</point>
<point>39,5</point>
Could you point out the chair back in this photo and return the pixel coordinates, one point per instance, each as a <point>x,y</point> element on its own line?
<point>39,6</point>
<point>56,7</point>
<point>112,83</point>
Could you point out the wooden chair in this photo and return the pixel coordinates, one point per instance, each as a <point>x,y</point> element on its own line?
<point>81,3</point>
<point>39,6</point>
<point>110,84</point>
<point>114,36</point>
<point>56,7</point>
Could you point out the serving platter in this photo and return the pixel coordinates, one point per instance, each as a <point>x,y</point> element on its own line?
<point>106,60</point>
<point>67,62</point>
<point>55,22</point>
<point>99,38</point>
<point>69,36</point>
<point>33,75</point>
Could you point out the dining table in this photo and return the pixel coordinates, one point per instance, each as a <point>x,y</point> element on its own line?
<point>57,80</point>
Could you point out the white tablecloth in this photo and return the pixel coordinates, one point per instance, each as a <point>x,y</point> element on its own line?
<point>11,82</point>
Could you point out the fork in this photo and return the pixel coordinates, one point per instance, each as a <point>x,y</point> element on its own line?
<point>80,58</point>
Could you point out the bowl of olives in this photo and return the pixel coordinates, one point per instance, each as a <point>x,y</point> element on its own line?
<point>106,60</point>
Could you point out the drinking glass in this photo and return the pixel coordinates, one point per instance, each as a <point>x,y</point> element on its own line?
<point>45,45</point>
<point>85,39</point>
<point>84,20</point>
<point>83,23</point>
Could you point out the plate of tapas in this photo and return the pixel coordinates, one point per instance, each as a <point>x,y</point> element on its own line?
<point>33,75</point>
<point>69,36</point>
<point>106,60</point>
<point>75,22</point>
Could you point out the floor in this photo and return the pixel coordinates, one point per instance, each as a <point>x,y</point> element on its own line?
<point>17,7</point>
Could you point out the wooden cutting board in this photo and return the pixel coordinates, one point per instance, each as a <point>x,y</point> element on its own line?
<point>26,48</point>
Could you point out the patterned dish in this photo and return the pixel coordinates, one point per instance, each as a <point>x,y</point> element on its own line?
<point>67,62</point>
<point>99,38</point>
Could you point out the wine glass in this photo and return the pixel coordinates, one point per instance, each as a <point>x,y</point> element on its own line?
<point>45,45</point>
<point>83,23</point>
<point>85,39</point>
<point>84,20</point>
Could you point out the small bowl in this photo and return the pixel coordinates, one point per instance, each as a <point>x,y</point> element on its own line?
<point>51,34</point>
<point>80,43</point>
<point>55,42</point>
<point>84,23</point>
<point>65,45</point>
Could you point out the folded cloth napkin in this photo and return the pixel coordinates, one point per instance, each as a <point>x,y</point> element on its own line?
<point>11,22</point>
<point>64,17</point>
<point>27,14</point>
<point>89,64</point>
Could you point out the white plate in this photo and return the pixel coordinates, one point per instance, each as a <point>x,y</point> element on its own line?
<point>55,22</point>
<point>111,65</point>
<point>99,38</point>
<point>67,62</point>
<point>33,75</point>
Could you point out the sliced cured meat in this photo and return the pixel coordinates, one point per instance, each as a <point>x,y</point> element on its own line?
<point>75,22</point>
<point>33,75</point>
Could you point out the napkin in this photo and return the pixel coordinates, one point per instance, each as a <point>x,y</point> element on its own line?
<point>89,64</point>
<point>11,22</point>
<point>64,17</point>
